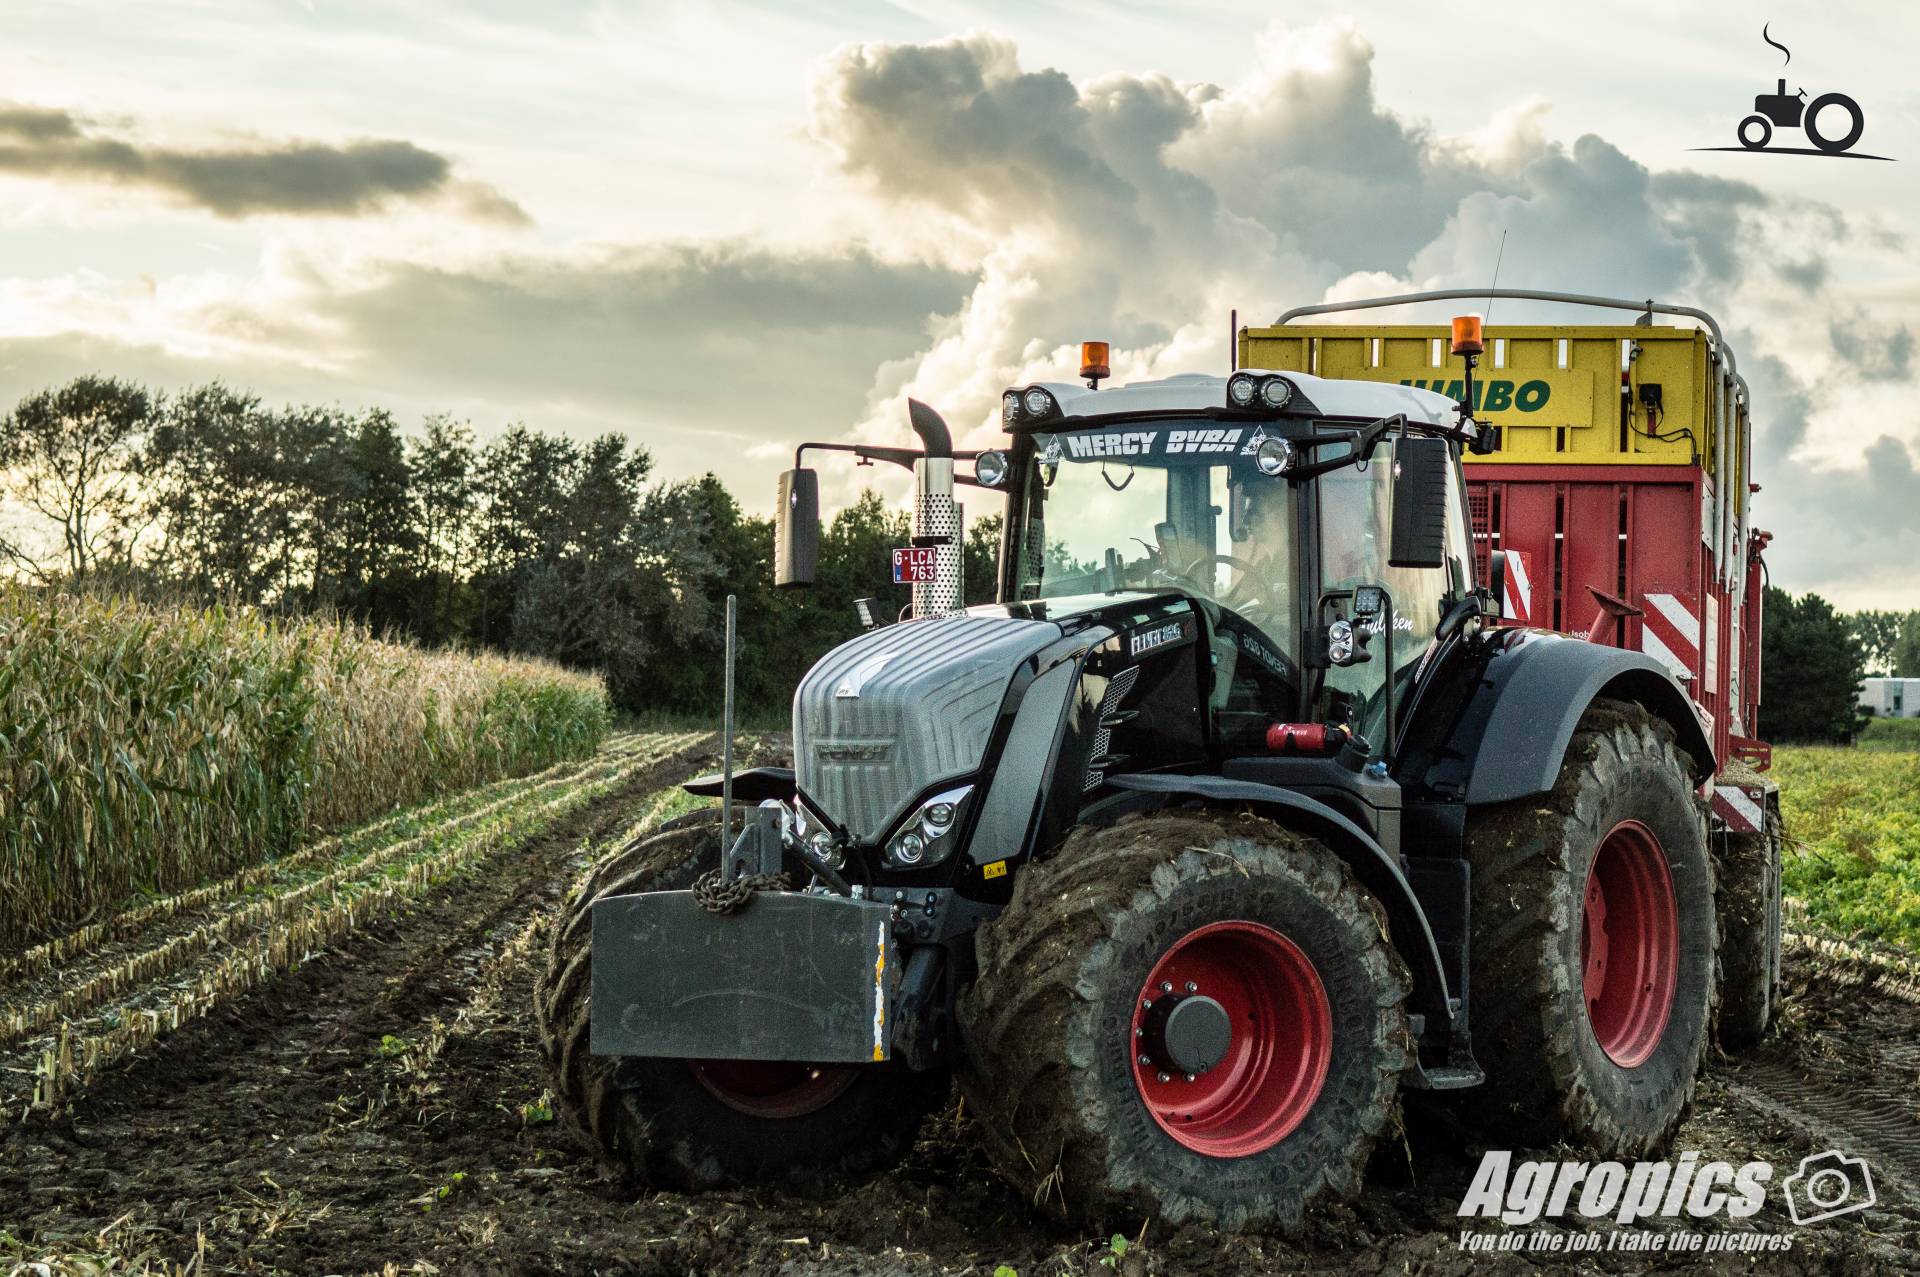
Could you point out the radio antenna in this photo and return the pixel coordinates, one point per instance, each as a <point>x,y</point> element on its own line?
<point>1497,259</point>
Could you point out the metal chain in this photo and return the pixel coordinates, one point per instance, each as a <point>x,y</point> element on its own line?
<point>720,895</point>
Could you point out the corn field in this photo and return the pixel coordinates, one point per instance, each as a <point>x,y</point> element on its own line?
<point>144,750</point>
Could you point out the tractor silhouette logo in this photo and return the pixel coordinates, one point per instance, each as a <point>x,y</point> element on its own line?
<point>1833,122</point>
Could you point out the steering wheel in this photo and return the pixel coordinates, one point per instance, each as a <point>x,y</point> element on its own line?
<point>1240,597</point>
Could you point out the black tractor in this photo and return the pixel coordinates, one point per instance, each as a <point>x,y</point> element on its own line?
<point>1236,816</point>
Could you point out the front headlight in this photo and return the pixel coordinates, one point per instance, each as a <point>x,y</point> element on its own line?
<point>1274,457</point>
<point>990,468</point>
<point>927,836</point>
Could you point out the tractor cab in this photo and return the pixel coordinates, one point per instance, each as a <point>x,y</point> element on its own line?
<point>1273,502</point>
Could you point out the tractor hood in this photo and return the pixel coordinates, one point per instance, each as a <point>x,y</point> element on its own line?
<point>881,719</point>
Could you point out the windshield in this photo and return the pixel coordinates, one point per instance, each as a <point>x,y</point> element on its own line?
<point>1173,507</point>
<point>1168,506</point>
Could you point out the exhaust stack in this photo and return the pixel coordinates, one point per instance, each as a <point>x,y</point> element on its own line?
<point>936,517</point>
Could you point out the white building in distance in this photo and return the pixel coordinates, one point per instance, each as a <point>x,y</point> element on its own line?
<point>1891,697</point>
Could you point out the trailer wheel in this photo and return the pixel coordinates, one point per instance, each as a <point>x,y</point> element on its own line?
<point>1593,944</point>
<point>1749,906</point>
<point>706,1123</point>
<point>1186,1015</point>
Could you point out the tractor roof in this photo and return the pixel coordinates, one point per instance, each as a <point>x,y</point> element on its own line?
<point>1198,392</point>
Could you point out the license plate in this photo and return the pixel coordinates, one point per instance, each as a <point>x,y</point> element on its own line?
<point>787,977</point>
<point>916,565</point>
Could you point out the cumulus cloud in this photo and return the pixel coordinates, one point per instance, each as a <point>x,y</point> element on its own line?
<point>306,178</point>
<point>1139,209</point>
<point>1873,351</point>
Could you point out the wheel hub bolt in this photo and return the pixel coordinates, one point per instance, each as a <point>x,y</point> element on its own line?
<point>1166,1077</point>
<point>1146,1059</point>
<point>1192,987</point>
<point>1166,986</point>
<point>1189,1077</point>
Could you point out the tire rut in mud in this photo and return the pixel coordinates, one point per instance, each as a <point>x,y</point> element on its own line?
<point>1844,1077</point>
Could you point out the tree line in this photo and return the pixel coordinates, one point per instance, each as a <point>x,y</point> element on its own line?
<point>532,543</point>
<point>536,543</point>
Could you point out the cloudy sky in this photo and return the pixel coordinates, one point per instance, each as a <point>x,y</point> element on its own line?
<point>724,227</point>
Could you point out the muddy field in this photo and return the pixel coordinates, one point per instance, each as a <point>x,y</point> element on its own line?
<point>380,1109</point>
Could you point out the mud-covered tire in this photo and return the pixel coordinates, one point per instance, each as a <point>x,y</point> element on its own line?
<point>664,1122</point>
<point>1749,906</point>
<point>1049,1025</point>
<point>1548,1075</point>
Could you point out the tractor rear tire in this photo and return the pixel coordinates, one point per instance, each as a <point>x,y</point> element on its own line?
<point>698,1124</point>
<point>1266,958</point>
<point>1750,936</point>
<point>1592,979</point>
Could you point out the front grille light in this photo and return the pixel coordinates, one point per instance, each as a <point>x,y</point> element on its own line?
<point>926,837</point>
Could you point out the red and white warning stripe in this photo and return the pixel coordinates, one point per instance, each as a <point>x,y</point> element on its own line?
<point>1517,605</point>
<point>1740,809</point>
<point>1670,633</point>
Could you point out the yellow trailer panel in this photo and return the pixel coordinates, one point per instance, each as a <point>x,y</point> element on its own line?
<point>1563,394</point>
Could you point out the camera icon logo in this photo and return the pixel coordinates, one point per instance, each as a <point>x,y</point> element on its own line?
<point>1827,1184</point>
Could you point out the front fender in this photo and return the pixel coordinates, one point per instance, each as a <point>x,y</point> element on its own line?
<point>1406,920</point>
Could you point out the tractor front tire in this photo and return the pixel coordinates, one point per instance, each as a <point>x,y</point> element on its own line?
<point>1750,936</point>
<point>1592,977</point>
<point>699,1124</point>
<point>1185,1015</point>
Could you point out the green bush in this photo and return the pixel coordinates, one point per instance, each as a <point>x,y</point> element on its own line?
<point>1852,821</point>
<point>1890,733</point>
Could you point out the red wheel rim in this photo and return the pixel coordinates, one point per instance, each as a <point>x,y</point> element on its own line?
<point>1629,944</point>
<point>772,1088</point>
<point>1280,1046</point>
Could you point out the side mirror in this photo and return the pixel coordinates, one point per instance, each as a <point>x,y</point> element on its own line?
<point>1485,441</point>
<point>1419,532</point>
<point>1497,583</point>
<point>796,529</point>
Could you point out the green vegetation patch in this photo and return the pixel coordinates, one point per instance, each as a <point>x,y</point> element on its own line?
<point>1890,733</point>
<point>1853,838</point>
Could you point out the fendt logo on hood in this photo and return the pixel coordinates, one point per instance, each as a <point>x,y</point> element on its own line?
<point>850,684</point>
<point>858,751</point>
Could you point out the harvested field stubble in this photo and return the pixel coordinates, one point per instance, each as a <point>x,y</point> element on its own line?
<point>150,749</point>
<point>191,972</point>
